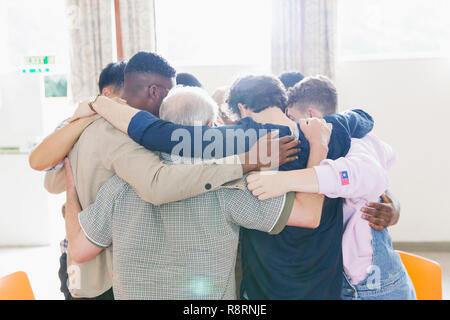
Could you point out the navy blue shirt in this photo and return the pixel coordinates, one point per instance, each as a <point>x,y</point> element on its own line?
<point>298,263</point>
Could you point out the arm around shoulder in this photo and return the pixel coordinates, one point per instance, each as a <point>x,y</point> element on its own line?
<point>157,182</point>
<point>56,146</point>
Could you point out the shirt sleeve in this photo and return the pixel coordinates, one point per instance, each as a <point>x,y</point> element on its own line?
<point>197,141</point>
<point>360,175</point>
<point>96,220</point>
<point>157,182</point>
<point>247,211</point>
<point>160,135</point>
<point>350,124</point>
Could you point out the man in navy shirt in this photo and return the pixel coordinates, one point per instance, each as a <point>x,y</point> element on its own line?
<point>298,263</point>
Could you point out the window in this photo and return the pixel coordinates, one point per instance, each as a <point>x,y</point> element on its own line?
<point>214,32</point>
<point>30,28</point>
<point>393,29</point>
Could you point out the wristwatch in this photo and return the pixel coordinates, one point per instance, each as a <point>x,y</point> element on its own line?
<point>91,103</point>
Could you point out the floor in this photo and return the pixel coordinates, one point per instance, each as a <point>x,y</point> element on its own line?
<point>42,263</point>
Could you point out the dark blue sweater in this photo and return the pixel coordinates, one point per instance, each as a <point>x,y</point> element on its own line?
<point>156,134</point>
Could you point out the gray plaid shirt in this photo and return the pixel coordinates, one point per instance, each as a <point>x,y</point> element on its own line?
<point>180,250</point>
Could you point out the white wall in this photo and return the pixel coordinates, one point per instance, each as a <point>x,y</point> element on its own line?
<point>410,101</point>
<point>29,216</point>
<point>24,216</point>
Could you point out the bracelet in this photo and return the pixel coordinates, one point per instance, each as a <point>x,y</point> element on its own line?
<point>91,104</point>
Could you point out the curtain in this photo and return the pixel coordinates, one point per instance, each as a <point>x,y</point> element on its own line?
<point>137,19</point>
<point>303,36</point>
<point>90,27</point>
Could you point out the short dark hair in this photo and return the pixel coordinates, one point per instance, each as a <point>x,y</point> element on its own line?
<point>112,74</point>
<point>188,80</point>
<point>149,62</point>
<point>318,91</point>
<point>290,79</point>
<point>257,93</point>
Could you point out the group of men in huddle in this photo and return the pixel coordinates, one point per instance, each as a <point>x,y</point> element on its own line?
<point>163,188</point>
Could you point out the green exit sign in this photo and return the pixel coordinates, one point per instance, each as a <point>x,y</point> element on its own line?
<point>37,60</point>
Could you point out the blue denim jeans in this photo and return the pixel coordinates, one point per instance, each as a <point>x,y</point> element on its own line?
<point>387,279</point>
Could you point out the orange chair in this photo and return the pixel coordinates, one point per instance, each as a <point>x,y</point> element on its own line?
<point>425,274</point>
<point>16,286</point>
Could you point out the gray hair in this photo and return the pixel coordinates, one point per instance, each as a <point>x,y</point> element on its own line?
<point>188,106</point>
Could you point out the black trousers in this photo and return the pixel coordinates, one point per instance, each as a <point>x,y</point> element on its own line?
<point>63,276</point>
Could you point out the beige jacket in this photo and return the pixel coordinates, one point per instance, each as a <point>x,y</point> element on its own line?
<point>103,151</point>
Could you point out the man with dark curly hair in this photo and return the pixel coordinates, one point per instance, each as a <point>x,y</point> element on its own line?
<point>258,93</point>
<point>148,80</point>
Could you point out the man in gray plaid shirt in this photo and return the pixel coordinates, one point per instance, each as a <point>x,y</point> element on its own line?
<point>180,250</point>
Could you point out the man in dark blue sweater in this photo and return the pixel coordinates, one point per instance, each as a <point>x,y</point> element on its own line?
<point>298,263</point>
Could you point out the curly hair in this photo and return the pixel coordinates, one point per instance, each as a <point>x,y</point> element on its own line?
<point>257,93</point>
<point>318,91</point>
<point>149,62</point>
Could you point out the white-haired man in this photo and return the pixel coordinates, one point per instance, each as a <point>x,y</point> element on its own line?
<point>189,105</point>
<point>186,249</point>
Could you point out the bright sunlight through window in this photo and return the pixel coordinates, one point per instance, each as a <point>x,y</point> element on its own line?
<point>214,32</point>
<point>394,28</point>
